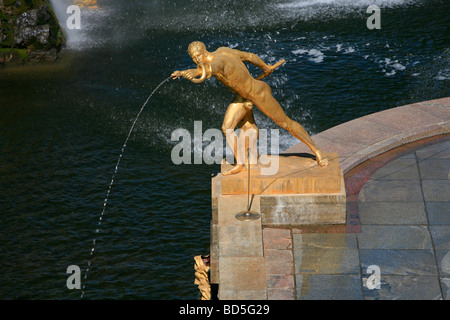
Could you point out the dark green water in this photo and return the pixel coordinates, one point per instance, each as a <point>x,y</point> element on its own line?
<point>62,127</point>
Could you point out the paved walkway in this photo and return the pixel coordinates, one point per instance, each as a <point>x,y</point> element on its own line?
<point>404,213</point>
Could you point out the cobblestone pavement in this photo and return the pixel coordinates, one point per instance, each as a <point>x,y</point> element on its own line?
<point>398,248</point>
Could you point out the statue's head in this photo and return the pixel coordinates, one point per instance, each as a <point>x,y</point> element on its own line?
<point>198,53</point>
<point>196,50</point>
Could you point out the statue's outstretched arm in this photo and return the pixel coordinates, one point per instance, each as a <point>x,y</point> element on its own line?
<point>188,74</point>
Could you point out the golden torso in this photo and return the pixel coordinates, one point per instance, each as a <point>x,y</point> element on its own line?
<point>228,68</point>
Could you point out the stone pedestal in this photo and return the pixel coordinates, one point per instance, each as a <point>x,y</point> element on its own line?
<point>290,175</point>
<point>299,193</point>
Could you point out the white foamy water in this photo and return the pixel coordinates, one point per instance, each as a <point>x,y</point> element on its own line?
<point>344,3</point>
<point>443,75</point>
<point>305,10</point>
<point>90,20</point>
<point>109,25</point>
<point>315,55</point>
<point>391,67</point>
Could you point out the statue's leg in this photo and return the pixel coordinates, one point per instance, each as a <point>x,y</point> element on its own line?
<point>235,113</point>
<point>249,132</point>
<point>264,100</point>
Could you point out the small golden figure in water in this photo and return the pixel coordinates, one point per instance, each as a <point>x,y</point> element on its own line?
<point>227,65</point>
<point>91,4</point>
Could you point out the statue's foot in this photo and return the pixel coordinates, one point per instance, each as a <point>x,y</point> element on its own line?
<point>321,159</point>
<point>237,168</point>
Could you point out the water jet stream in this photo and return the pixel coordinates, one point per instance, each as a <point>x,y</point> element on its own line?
<point>112,182</point>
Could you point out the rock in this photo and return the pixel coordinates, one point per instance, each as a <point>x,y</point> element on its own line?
<point>28,30</point>
<point>43,55</point>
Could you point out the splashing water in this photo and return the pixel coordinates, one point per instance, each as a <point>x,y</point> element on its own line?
<point>112,182</point>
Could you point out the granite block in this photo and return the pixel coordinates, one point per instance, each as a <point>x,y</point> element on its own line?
<point>438,212</point>
<point>436,190</point>
<point>391,190</point>
<point>328,287</point>
<point>392,213</point>
<point>394,237</point>
<point>326,261</point>
<point>405,287</point>
<point>400,262</point>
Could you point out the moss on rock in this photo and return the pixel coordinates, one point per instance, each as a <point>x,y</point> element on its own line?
<point>29,26</point>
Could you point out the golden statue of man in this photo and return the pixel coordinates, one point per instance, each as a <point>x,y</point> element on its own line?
<point>227,65</point>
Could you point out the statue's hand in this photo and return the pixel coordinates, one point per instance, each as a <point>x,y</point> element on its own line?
<point>268,69</point>
<point>190,74</point>
<point>176,74</point>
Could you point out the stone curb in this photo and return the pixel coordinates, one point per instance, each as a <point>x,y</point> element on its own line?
<point>364,138</point>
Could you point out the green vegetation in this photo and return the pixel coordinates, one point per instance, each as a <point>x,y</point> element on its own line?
<point>13,56</point>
